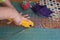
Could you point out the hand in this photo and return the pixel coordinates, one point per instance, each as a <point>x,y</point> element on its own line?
<point>21,17</point>
<point>12,15</point>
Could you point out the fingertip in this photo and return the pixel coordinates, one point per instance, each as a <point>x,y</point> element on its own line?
<point>28,17</point>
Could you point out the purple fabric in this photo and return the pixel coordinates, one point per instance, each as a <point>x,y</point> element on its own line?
<point>45,11</point>
<point>41,10</point>
<point>36,7</point>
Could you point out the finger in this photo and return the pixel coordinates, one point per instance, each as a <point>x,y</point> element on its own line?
<point>9,22</point>
<point>21,13</point>
<point>26,15</point>
<point>18,24</point>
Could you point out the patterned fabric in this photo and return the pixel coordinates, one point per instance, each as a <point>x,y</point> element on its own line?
<point>52,5</point>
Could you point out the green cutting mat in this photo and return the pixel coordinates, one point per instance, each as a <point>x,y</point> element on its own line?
<point>10,32</point>
<point>35,34</point>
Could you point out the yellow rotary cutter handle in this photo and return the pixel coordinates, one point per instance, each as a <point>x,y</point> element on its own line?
<point>25,23</point>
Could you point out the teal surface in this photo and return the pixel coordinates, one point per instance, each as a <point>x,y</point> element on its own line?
<point>10,32</point>
<point>38,34</point>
